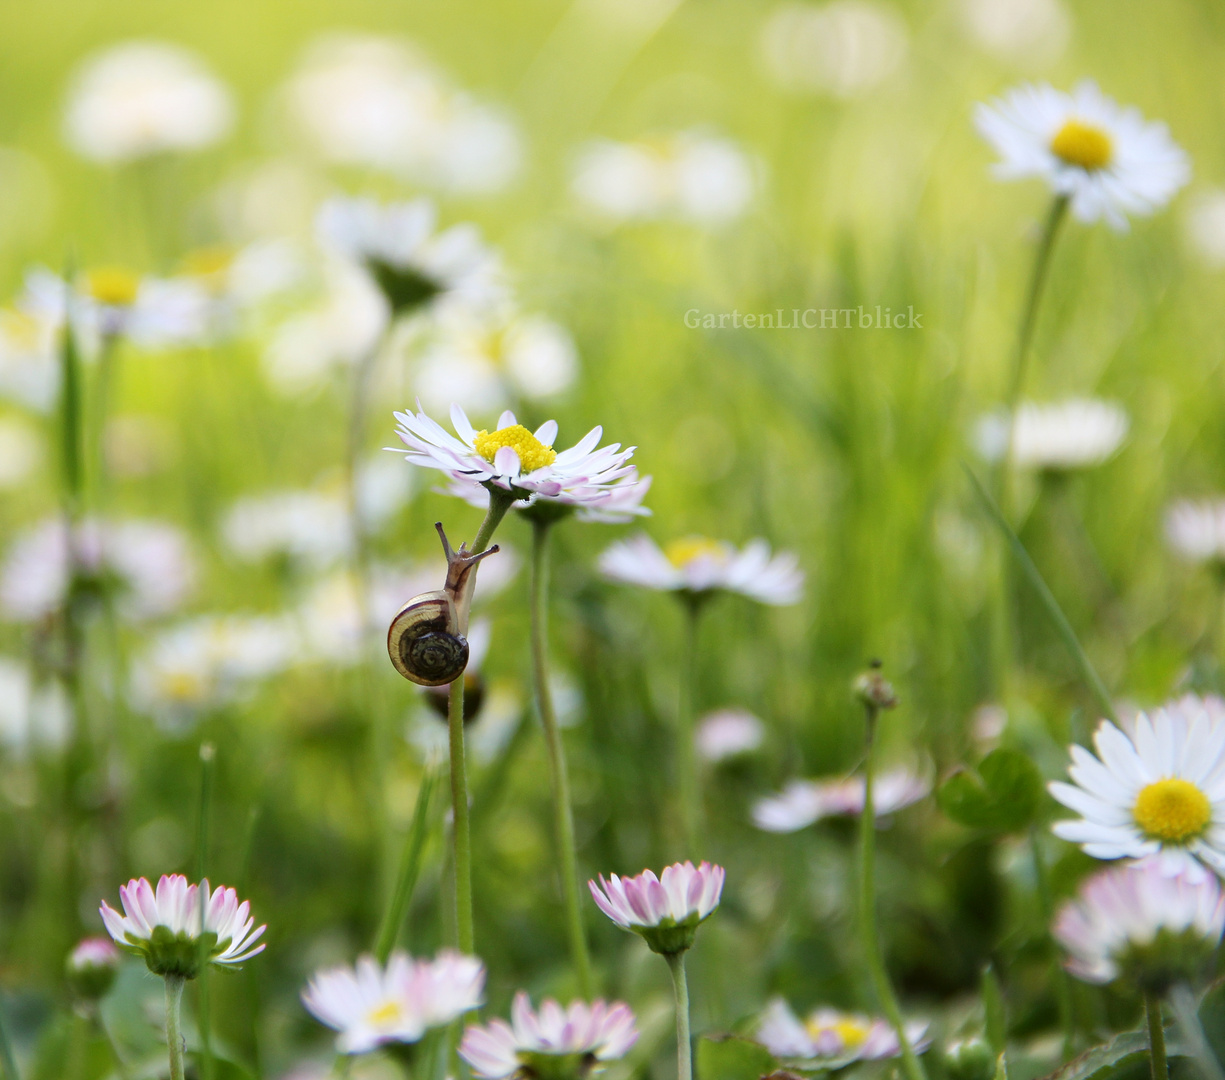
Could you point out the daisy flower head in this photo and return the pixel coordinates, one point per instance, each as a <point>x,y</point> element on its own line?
<point>1158,791</point>
<point>1106,160</point>
<point>91,967</point>
<point>178,927</point>
<point>1077,433</point>
<point>698,567</point>
<point>804,802</point>
<point>552,1043</point>
<point>413,265</point>
<point>595,480</point>
<point>728,733</point>
<point>1140,923</point>
<point>831,1038</point>
<point>1196,530</point>
<point>666,910</point>
<point>371,1005</point>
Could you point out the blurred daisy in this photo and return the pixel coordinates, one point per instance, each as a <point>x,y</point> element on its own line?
<point>804,802</point>
<point>844,48</point>
<point>371,1006</point>
<point>1139,922</point>
<point>554,1042</point>
<point>1077,433</point>
<point>523,462</point>
<point>306,528</point>
<point>196,925</point>
<point>689,175</point>
<point>665,910</point>
<point>728,733</point>
<point>29,359</point>
<point>1022,30</point>
<point>1196,530</point>
<point>377,102</point>
<point>144,98</point>
<point>21,451</point>
<point>1158,791</point>
<point>1105,159</point>
<point>413,265</point>
<point>827,1035</point>
<point>697,566</point>
<point>91,967</point>
<point>148,566</point>
<point>34,715</point>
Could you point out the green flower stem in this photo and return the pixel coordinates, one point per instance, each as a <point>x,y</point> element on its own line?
<point>563,814</point>
<point>174,1034</point>
<point>688,787</point>
<point>208,757</point>
<point>911,1065</point>
<point>1156,1037</point>
<point>684,1046</point>
<point>461,836</point>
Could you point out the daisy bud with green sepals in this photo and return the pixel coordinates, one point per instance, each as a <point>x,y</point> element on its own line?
<point>874,690</point>
<point>179,928</point>
<point>91,968</point>
<point>969,1059</point>
<point>665,910</point>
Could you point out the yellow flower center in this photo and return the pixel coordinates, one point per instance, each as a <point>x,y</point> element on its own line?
<point>682,552</point>
<point>182,686</point>
<point>112,285</point>
<point>208,262</point>
<point>852,1031</point>
<point>533,454</point>
<point>1173,810</point>
<point>1083,144</point>
<point>386,1015</point>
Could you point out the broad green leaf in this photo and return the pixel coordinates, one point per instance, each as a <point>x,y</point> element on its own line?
<point>1002,795</point>
<point>732,1058</point>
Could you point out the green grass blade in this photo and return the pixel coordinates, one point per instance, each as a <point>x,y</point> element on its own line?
<point>410,867</point>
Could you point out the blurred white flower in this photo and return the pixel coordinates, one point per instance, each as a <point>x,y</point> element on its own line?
<point>309,528</point>
<point>697,565</point>
<point>1196,530</point>
<point>844,48</point>
<point>376,102</point>
<point>1019,30</point>
<point>728,733</point>
<point>33,715</point>
<point>148,564</point>
<point>804,802</point>
<point>1076,433</point>
<point>1204,227</point>
<point>21,451</point>
<point>689,175</point>
<point>29,364</point>
<point>827,1034</point>
<point>1106,159</point>
<point>144,98</point>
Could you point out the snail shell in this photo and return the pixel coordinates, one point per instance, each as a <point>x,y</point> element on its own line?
<point>424,641</point>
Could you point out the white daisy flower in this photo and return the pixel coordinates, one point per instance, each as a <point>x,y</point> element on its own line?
<point>728,733</point>
<point>665,910</point>
<point>828,1035</point>
<point>1142,923</point>
<point>180,926</point>
<point>1159,791</point>
<point>1196,530</point>
<point>143,98</point>
<point>371,1006</point>
<point>308,528</point>
<point>1019,30</point>
<point>804,802</point>
<point>29,359</point>
<point>413,265</point>
<point>1105,159</point>
<point>1077,433</point>
<point>583,1036</point>
<point>698,566</point>
<point>148,565</point>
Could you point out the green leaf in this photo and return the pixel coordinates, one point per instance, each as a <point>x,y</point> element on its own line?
<point>1125,1057</point>
<point>731,1058</point>
<point>1212,1018</point>
<point>1002,795</point>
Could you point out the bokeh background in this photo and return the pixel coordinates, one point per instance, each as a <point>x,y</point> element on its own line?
<point>841,168</point>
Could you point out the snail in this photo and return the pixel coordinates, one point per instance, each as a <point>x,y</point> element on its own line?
<point>426,640</point>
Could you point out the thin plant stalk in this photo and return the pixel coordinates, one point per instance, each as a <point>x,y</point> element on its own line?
<point>1159,1067</point>
<point>684,1044</point>
<point>911,1065</point>
<point>174,1032</point>
<point>688,787</point>
<point>563,814</point>
<point>208,756</point>
<point>410,868</point>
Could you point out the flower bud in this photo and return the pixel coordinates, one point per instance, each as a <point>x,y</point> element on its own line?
<point>874,690</point>
<point>91,968</point>
<point>969,1059</point>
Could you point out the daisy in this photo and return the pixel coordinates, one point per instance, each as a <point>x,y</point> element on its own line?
<point>827,1036</point>
<point>728,733</point>
<point>91,967</point>
<point>144,98</point>
<point>1158,791</point>
<point>553,1042</point>
<point>1196,530</point>
<point>1077,433</point>
<point>180,925</point>
<point>665,910</point>
<point>697,567</point>
<point>371,1006</point>
<point>1142,923</point>
<point>803,802</point>
<point>413,265</point>
<point>1105,159</point>
<point>29,359</point>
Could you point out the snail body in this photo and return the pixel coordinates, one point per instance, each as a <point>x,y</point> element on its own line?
<point>426,639</point>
